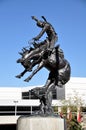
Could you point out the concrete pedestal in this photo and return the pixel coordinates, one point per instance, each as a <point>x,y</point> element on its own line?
<point>40,123</point>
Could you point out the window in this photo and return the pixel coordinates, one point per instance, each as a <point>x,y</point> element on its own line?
<point>7,110</point>
<point>28,95</point>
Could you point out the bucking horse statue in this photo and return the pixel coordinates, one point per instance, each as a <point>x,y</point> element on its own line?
<point>54,61</point>
<point>59,74</point>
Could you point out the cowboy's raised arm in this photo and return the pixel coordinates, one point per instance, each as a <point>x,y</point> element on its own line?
<point>41,33</point>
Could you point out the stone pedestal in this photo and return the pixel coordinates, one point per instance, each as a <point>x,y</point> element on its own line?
<point>40,123</point>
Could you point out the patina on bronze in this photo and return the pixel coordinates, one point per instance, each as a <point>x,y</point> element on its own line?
<point>45,54</point>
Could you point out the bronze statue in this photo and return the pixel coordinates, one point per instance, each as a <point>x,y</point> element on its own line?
<point>45,54</point>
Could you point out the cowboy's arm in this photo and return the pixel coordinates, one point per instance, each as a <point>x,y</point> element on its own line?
<point>41,33</point>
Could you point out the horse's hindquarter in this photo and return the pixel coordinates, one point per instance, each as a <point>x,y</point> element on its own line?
<point>50,64</point>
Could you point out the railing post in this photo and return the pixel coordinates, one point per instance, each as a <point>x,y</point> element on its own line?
<point>31,109</point>
<point>15,107</point>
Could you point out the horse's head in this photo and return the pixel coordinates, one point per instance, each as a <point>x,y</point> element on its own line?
<point>24,55</point>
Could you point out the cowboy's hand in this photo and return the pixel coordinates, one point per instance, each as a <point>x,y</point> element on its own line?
<point>33,17</point>
<point>49,51</point>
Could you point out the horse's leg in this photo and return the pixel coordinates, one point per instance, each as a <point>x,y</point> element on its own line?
<point>33,63</point>
<point>21,74</point>
<point>48,95</point>
<point>50,87</point>
<point>35,71</point>
<point>48,82</point>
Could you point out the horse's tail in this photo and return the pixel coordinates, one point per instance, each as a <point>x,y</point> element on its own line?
<point>64,74</point>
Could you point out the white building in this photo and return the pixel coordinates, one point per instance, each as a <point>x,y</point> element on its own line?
<point>12,98</point>
<point>76,87</point>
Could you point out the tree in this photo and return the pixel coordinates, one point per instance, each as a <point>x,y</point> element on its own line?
<point>73,104</point>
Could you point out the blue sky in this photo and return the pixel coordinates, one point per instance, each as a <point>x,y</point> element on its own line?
<point>16,28</point>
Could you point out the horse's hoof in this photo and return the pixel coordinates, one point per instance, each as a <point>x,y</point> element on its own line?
<point>18,76</point>
<point>26,80</point>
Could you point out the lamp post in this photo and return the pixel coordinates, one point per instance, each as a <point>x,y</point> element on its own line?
<point>15,106</point>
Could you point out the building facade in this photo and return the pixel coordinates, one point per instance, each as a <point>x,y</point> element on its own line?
<point>18,101</point>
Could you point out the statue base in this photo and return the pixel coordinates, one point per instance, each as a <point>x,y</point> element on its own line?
<point>40,123</point>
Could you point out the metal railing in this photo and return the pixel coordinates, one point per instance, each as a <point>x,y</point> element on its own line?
<point>2,113</point>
